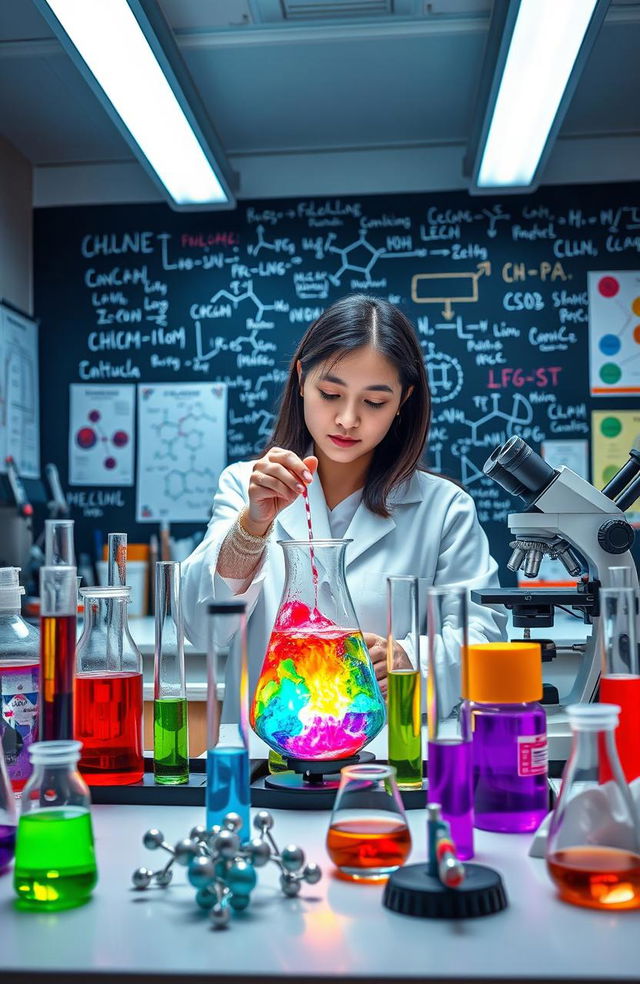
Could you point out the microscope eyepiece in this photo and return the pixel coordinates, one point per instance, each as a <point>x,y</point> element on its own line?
<point>519,469</point>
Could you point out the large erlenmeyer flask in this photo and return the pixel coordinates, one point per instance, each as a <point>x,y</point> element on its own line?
<point>317,697</point>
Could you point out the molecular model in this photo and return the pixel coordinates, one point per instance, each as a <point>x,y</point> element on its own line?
<point>222,868</point>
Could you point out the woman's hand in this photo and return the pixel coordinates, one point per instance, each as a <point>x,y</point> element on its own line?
<point>377,646</point>
<point>276,480</point>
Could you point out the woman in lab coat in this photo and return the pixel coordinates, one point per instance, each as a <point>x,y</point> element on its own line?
<point>351,428</point>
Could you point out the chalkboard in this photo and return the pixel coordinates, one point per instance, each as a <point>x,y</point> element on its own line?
<point>497,288</point>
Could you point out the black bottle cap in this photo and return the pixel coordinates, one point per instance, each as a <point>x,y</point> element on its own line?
<point>413,892</point>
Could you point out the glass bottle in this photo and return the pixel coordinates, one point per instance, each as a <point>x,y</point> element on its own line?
<point>58,611</point>
<point>368,836</point>
<point>109,700</point>
<point>620,673</point>
<point>55,865</point>
<point>593,845</point>
<point>170,727</point>
<point>449,750</point>
<point>317,696</point>
<point>7,817</point>
<point>404,707</point>
<point>509,729</point>
<point>19,679</point>
<point>227,745</point>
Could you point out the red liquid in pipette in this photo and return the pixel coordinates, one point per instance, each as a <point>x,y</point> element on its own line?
<point>312,556</point>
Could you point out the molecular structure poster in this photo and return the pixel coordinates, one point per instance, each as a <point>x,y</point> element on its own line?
<point>182,449</point>
<point>101,434</point>
<point>614,329</point>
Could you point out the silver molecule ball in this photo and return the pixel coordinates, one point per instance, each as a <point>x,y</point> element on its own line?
<point>312,874</point>
<point>226,843</point>
<point>289,884</point>
<point>232,821</point>
<point>153,839</point>
<point>220,915</point>
<point>163,878</point>
<point>259,851</point>
<point>185,851</point>
<point>141,878</point>
<point>263,820</point>
<point>292,857</point>
<point>198,833</point>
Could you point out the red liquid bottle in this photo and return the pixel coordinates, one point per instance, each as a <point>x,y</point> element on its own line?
<point>620,680</point>
<point>109,700</point>
<point>58,605</point>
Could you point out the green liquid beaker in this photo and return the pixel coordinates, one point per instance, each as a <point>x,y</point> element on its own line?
<point>55,866</point>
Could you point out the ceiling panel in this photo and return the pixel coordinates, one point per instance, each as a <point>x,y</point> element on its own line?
<point>343,93</point>
<point>608,96</point>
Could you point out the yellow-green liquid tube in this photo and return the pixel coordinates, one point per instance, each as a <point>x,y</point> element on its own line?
<point>170,741</point>
<point>405,738</point>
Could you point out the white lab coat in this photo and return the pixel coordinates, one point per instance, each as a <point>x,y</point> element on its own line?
<point>432,533</point>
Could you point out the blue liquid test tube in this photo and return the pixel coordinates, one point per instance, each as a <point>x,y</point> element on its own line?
<point>227,745</point>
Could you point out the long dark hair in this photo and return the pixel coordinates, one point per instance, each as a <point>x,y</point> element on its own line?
<point>349,324</point>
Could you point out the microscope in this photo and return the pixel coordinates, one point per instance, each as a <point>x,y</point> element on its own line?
<point>565,518</point>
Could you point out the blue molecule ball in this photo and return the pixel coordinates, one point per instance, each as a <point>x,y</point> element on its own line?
<point>239,902</point>
<point>201,872</point>
<point>205,898</point>
<point>241,877</point>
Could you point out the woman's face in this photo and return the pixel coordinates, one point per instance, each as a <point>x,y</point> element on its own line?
<point>350,405</point>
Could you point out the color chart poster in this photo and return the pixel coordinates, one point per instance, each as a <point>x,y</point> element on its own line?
<point>613,434</point>
<point>614,332</point>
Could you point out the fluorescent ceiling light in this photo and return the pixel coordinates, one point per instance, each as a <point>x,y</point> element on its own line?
<point>114,48</point>
<point>546,40</point>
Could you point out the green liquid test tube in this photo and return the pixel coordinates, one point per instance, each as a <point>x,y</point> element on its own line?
<point>170,713</point>
<point>404,704</point>
<point>170,740</point>
<point>405,739</point>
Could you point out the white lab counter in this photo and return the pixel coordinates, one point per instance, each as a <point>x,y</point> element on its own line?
<point>334,931</point>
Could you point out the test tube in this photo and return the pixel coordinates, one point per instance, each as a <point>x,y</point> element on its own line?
<point>58,607</point>
<point>620,577</point>
<point>620,679</point>
<point>170,727</point>
<point>449,758</point>
<point>117,560</point>
<point>227,745</point>
<point>403,682</point>
<point>58,543</point>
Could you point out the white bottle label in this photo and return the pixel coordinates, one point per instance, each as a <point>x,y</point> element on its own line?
<point>533,755</point>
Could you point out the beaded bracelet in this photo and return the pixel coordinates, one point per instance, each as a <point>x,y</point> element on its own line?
<point>247,543</point>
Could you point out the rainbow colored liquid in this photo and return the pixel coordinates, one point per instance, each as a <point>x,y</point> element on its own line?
<point>317,697</point>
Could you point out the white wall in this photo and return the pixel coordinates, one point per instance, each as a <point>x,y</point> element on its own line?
<point>16,228</point>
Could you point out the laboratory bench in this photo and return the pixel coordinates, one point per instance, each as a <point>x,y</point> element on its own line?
<point>334,930</point>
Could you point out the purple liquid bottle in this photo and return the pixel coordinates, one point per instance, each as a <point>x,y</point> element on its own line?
<point>509,731</point>
<point>8,819</point>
